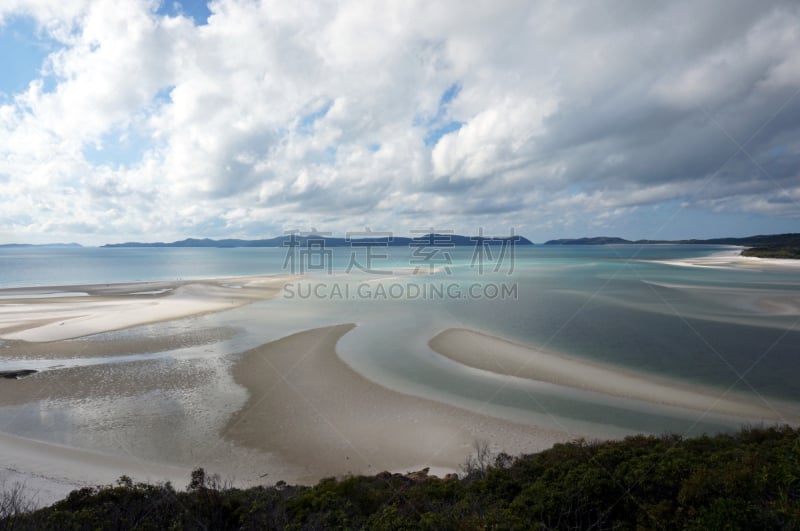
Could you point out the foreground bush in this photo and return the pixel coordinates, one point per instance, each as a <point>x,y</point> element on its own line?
<point>749,480</point>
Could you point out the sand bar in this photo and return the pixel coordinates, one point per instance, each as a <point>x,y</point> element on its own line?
<point>102,308</point>
<point>733,259</point>
<point>310,408</point>
<point>489,353</point>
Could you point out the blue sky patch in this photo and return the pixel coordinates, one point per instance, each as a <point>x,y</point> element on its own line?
<point>164,95</point>
<point>437,126</point>
<point>307,121</point>
<point>435,134</point>
<point>450,94</point>
<point>23,50</point>
<point>118,149</point>
<point>196,9</point>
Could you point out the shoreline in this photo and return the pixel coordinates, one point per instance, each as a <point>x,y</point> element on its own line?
<point>48,471</point>
<point>493,354</point>
<point>306,414</point>
<point>733,259</point>
<point>110,307</point>
<point>309,407</point>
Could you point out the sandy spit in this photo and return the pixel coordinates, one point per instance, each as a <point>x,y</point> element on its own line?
<point>489,353</point>
<point>314,411</point>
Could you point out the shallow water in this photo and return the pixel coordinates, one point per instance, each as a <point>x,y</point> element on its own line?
<point>617,305</point>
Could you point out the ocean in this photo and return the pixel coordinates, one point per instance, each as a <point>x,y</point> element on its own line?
<point>635,308</point>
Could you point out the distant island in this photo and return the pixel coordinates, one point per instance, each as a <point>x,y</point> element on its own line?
<point>761,246</point>
<point>597,240</point>
<point>17,245</point>
<point>765,240</point>
<point>432,240</point>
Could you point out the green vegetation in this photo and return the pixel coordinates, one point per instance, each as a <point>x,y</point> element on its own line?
<point>748,480</point>
<point>764,246</point>
<point>776,251</point>
<point>763,240</point>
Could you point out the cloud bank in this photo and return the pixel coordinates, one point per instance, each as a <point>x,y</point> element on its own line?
<point>650,121</point>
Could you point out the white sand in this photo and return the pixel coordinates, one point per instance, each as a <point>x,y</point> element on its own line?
<point>308,416</point>
<point>311,409</point>
<point>485,352</point>
<point>48,472</point>
<point>733,259</point>
<point>118,306</point>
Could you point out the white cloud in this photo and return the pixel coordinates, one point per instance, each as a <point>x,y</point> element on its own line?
<point>278,114</point>
<point>498,138</point>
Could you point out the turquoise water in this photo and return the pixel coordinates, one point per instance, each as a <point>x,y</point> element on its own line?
<point>618,305</point>
<point>41,266</point>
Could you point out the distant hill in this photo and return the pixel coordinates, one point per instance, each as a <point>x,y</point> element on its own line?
<point>768,240</point>
<point>598,240</point>
<point>16,245</point>
<point>433,240</point>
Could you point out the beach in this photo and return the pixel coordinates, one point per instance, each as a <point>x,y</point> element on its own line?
<point>153,379</point>
<point>733,259</point>
<point>49,472</point>
<point>307,415</point>
<point>60,324</point>
<point>292,410</point>
<point>67,312</point>
<point>306,404</point>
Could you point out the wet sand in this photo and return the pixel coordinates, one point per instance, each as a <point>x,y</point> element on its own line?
<point>72,427</point>
<point>28,314</point>
<point>489,353</point>
<point>95,347</point>
<point>315,412</point>
<point>48,472</point>
<point>113,380</point>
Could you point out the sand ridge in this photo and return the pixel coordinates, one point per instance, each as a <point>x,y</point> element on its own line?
<point>316,412</point>
<point>493,354</point>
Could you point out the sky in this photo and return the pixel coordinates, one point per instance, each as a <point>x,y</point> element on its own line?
<point>154,120</point>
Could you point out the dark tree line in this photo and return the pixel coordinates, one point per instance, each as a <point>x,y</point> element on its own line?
<point>747,480</point>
